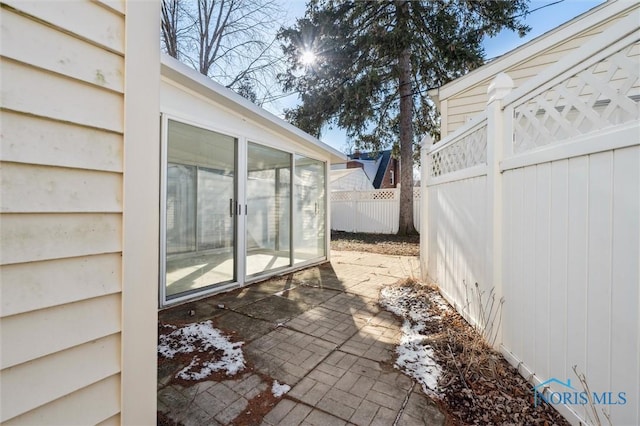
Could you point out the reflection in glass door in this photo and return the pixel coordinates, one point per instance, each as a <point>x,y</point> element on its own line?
<point>309,229</point>
<point>200,208</point>
<point>267,209</point>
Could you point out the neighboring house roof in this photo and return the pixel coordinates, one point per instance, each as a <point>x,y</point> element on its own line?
<point>369,164</point>
<point>382,168</point>
<point>545,41</point>
<point>340,173</point>
<point>349,180</point>
<point>374,165</point>
<point>192,79</point>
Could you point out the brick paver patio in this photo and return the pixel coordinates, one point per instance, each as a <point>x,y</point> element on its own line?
<point>321,332</point>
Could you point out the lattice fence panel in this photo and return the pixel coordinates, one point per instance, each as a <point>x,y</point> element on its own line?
<point>343,195</point>
<point>466,152</point>
<point>380,194</point>
<point>603,95</point>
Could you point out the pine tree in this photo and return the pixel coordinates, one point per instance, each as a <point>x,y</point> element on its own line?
<point>375,61</point>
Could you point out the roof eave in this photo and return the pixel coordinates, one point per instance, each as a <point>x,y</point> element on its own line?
<point>544,41</point>
<point>180,73</point>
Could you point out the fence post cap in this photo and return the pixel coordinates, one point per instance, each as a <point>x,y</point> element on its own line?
<point>426,141</point>
<point>499,87</point>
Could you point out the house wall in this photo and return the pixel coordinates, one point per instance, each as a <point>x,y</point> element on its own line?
<point>460,107</point>
<point>392,169</point>
<point>183,103</point>
<point>66,270</point>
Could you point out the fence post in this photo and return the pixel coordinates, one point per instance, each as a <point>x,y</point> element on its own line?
<point>425,166</point>
<point>496,120</point>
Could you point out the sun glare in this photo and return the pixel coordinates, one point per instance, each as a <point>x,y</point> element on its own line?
<point>308,58</point>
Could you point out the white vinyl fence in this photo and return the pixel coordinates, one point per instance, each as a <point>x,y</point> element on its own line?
<point>538,201</point>
<point>374,211</point>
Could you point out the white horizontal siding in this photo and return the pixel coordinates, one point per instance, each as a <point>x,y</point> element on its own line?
<point>38,285</point>
<point>471,99</point>
<point>112,421</point>
<point>37,92</point>
<point>81,321</point>
<point>84,19</point>
<point>36,140</point>
<point>61,153</point>
<point>90,405</point>
<point>42,189</point>
<point>41,46</point>
<point>33,237</point>
<point>38,382</point>
<point>466,108</point>
<point>117,6</point>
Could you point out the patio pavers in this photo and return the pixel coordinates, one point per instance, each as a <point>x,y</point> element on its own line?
<point>274,308</point>
<point>319,331</point>
<point>247,328</point>
<point>287,355</point>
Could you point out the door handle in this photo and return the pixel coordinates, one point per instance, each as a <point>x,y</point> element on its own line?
<point>230,207</point>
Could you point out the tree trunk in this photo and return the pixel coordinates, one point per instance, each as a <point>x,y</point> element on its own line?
<point>406,132</point>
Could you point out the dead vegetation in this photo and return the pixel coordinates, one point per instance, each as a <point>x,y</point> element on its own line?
<point>477,386</point>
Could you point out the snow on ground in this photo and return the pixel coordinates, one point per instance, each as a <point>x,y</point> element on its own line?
<point>202,338</point>
<point>279,389</point>
<point>415,358</point>
<point>402,302</point>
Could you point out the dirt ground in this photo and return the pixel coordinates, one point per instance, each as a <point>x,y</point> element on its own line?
<point>376,243</point>
<point>477,386</point>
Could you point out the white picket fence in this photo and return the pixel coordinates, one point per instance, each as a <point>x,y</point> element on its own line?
<point>374,211</point>
<point>538,200</point>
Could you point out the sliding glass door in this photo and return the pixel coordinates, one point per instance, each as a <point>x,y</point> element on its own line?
<point>200,215</point>
<point>267,209</point>
<point>224,197</point>
<point>309,230</point>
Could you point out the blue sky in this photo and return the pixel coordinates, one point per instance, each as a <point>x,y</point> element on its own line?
<point>540,22</point>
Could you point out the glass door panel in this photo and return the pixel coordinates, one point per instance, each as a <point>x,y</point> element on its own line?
<point>181,208</point>
<point>215,224</point>
<point>267,209</point>
<point>309,229</point>
<point>200,209</point>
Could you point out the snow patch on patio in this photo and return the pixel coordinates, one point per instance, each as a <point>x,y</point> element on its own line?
<point>415,357</point>
<point>217,352</point>
<point>278,389</point>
